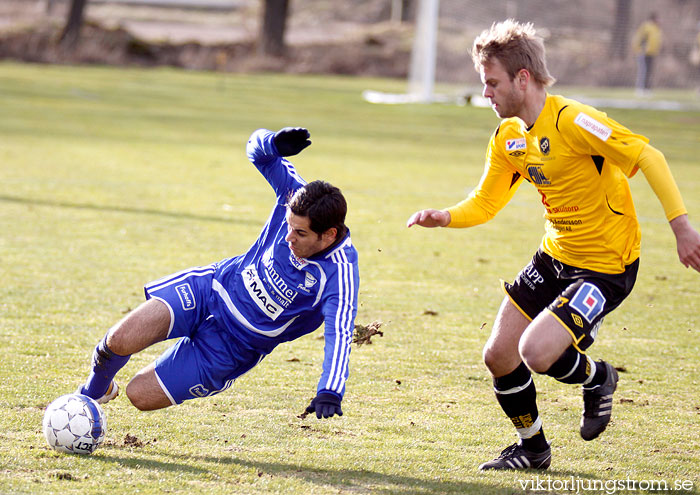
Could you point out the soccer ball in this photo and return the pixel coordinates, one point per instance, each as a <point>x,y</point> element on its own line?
<point>74,424</point>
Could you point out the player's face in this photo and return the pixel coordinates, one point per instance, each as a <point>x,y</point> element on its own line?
<point>303,241</point>
<point>504,94</point>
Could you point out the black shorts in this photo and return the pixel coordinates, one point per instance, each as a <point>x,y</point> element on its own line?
<point>577,297</point>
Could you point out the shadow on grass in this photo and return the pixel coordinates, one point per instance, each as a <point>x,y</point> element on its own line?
<point>126,209</point>
<point>362,479</point>
<point>340,479</point>
<point>383,483</point>
<point>355,479</point>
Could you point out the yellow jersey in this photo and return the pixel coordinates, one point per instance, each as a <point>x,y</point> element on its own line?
<point>648,38</point>
<point>579,160</point>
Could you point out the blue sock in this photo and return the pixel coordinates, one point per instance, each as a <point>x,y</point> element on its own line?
<point>105,365</point>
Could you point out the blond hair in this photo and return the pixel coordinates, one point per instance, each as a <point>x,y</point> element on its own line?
<point>516,46</point>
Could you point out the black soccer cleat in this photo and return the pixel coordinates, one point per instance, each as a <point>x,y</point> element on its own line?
<point>517,457</point>
<point>597,405</point>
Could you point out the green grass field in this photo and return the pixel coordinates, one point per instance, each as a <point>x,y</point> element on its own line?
<point>110,178</point>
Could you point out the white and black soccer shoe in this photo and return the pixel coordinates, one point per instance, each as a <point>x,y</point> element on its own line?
<point>517,457</point>
<point>597,405</point>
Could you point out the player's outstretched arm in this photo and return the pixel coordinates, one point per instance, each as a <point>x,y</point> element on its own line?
<point>430,218</point>
<point>657,172</point>
<point>687,242</point>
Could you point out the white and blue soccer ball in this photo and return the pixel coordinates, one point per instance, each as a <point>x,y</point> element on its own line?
<point>75,424</point>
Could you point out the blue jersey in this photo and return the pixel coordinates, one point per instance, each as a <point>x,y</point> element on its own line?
<point>268,295</point>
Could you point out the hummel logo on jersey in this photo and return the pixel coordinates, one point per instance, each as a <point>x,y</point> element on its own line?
<point>286,293</point>
<point>516,144</point>
<point>588,301</point>
<point>260,296</point>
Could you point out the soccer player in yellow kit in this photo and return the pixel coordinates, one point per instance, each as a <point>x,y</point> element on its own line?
<point>647,41</point>
<point>579,160</point>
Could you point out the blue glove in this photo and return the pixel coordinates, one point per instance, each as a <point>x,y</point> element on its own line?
<point>325,405</point>
<point>291,140</point>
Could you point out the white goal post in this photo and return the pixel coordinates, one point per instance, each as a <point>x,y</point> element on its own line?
<point>421,76</point>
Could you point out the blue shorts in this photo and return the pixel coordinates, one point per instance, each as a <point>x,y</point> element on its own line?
<point>207,359</point>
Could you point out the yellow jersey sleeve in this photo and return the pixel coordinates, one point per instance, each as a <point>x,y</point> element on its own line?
<point>495,189</point>
<point>653,165</point>
<point>591,132</point>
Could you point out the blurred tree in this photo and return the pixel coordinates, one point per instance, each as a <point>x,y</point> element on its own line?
<point>402,10</point>
<point>274,21</point>
<point>71,31</point>
<point>620,29</point>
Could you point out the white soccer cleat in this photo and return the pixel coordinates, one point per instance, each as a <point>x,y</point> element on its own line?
<point>110,394</point>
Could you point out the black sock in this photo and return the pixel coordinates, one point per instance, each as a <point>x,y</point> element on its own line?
<point>517,396</point>
<point>571,367</point>
<point>599,375</point>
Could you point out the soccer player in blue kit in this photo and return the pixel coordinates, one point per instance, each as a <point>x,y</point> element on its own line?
<point>302,271</point>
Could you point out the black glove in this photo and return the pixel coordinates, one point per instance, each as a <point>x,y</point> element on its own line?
<point>326,405</point>
<point>291,140</point>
